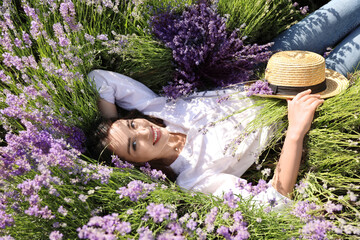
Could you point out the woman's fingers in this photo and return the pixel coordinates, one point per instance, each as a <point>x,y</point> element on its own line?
<point>310,99</point>
<point>317,103</point>
<point>302,94</point>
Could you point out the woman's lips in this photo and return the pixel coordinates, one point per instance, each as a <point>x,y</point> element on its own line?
<point>156,135</point>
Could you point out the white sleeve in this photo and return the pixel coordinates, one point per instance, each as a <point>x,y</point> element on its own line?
<point>120,89</point>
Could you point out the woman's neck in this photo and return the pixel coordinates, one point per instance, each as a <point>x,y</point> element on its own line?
<point>175,146</point>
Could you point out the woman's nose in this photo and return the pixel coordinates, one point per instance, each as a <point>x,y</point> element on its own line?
<point>143,132</point>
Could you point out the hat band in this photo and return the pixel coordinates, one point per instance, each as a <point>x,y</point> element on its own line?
<point>287,90</point>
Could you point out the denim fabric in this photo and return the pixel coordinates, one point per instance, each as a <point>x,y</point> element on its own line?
<point>345,58</point>
<point>334,24</point>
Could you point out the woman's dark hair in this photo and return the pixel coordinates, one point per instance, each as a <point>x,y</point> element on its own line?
<point>96,143</point>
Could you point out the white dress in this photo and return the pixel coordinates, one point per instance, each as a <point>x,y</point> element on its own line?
<point>207,163</point>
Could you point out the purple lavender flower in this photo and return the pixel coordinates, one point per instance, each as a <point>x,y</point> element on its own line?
<point>8,20</point>
<point>230,199</point>
<point>30,187</point>
<point>352,196</point>
<point>302,209</point>
<point>327,52</point>
<point>210,219</point>
<point>83,197</point>
<point>62,211</point>
<point>67,11</point>
<point>226,215</point>
<point>34,199</point>
<point>158,212</point>
<point>64,41</point>
<point>175,228</point>
<point>238,217</point>
<point>191,224</point>
<point>26,38</point>
<point>136,190</point>
<point>145,234</point>
<point>6,220</point>
<point>55,235</point>
<point>99,172</point>
<point>7,237</point>
<point>89,38</point>
<point>205,54</point>
<point>201,234</point>
<point>224,231</point>
<point>259,87</point>
<point>316,229</point>
<point>58,30</point>
<point>304,10</point>
<point>169,235</point>
<point>13,61</point>
<point>260,187</point>
<point>119,163</point>
<point>35,29</point>
<point>106,227</point>
<point>272,202</point>
<point>242,233</point>
<point>153,173</point>
<point>184,218</point>
<point>4,78</point>
<point>29,61</point>
<point>6,42</point>
<point>18,42</point>
<point>330,208</point>
<point>301,186</point>
<point>30,12</point>
<point>102,37</point>
<point>36,211</point>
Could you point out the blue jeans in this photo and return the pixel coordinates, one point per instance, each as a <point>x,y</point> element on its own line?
<point>335,24</point>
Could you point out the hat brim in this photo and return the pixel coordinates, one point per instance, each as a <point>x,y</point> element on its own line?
<point>335,84</point>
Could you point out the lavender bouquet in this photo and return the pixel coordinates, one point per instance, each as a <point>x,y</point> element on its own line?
<point>205,54</point>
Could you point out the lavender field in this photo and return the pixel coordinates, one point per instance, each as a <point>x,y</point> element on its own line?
<point>53,187</point>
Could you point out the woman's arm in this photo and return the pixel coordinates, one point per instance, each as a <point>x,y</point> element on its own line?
<point>301,112</point>
<point>107,109</point>
<point>115,88</point>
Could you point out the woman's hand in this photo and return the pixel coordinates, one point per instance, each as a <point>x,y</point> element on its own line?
<point>301,110</point>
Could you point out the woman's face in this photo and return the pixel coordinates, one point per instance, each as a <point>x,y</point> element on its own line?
<point>138,140</point>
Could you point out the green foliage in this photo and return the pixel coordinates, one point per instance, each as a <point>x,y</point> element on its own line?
<point>331,164</point>
<point>144,60</point>
<point>102,199</point>
<point>264,19</point>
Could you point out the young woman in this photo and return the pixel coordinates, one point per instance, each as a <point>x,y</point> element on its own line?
<point>200,151</point>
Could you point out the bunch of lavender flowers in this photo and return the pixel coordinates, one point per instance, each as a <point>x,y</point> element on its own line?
<point>136,190</point>
<point>259,87</point>
<point>153,173</point>
<point>204,52</point>
<point>107,227</point>
<point>158,212</point>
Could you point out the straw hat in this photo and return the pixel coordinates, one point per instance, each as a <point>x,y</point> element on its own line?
<point>291,72</point>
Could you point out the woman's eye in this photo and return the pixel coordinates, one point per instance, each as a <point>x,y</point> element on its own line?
<point>132,124</point>
<point>134,145</point>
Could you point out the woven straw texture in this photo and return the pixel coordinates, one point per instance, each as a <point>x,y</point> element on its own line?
<point>295,68</point>
<point>303,68</point>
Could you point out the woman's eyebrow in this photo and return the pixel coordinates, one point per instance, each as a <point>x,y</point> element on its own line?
<point>128,123</point>
<point>128,147</point>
